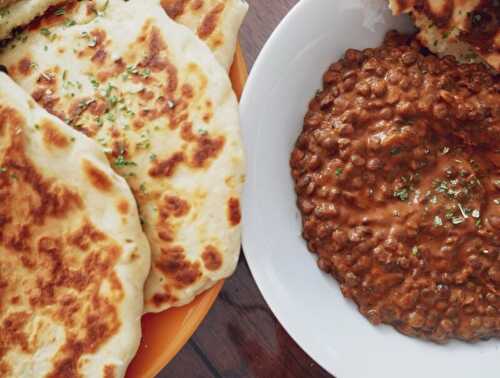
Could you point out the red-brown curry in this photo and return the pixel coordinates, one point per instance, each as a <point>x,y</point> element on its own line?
<point>397,173</point>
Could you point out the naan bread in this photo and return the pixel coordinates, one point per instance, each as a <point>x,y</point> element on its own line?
<point>73,257</point>
<point>15,13</point>
<point>466,29</point>
<point>156,98</point>
<point>216,22</point>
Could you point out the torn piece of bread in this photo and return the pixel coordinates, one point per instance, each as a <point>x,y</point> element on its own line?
<point>466,29</point>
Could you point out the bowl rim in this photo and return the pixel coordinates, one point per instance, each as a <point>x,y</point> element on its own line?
<point>247,104</point>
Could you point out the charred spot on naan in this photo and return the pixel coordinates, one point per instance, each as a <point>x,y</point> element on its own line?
<point>47,99</point>
<point>110,371</point>
<point>210,21</point>
<point>85,236</point>
<point>170,206</point>
<point>166,168</point>
<point>13,336</point>
<point>207,149</point>
<point>123,207</point>
<point>52,135</point>
<point>178,270</point>
<point>95,47</point>
<point>25,66</point>
<point>155,45</point>
<point>97,178</point>
<point>234,211</point>
<point>117,68</point>
<point>165,297</point>
<point>173,206</point>
<point>165,230</point>
<point>212,258</point>
<point>174,8</point>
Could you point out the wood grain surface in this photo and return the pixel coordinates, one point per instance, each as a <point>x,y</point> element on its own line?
<point>240,337</point>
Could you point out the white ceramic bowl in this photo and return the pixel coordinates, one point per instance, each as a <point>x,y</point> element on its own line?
<point>307,302</point>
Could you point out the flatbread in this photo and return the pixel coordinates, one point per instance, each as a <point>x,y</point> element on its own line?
<point>15,13</point>
<point>161,105</point>
<point>216,22</point>
<point>466,29</point>
<point>73,257</point>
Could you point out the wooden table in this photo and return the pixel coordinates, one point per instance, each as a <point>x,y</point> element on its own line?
<point>240,336</point>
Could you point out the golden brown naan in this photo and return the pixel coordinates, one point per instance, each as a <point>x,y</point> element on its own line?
<point>467,29</point>
<point>154,96</point>
<point>216,22</point>
<point>73,257</point>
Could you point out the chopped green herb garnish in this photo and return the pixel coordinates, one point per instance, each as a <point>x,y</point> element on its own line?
<point>69,23</point>
<point>438,221</point>
<point>132,69</point>
<point>445,150</point>
<point>338,171</point>
<point>476,19</point>
<point>152,157</point>
<point>122,162</point>
<point>47,34</point>
<point>457,220</point>
<point>59,11</point>
<point>395,151</point>
<point>94,83</point>
<point>414,250</point>
<point>3,169</point>
<point>402,194</point>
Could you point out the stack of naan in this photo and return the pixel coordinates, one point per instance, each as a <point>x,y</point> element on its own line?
<point>121,170</point>
<point>467,29</point>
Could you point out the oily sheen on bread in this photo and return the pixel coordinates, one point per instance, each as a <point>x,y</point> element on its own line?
<point>216,22</point>
<point>73,257</point>
<point>153,95</point>
<point>15,13</point>
<point>466,29</point>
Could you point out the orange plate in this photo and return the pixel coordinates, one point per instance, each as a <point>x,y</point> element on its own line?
<point>164,334</point>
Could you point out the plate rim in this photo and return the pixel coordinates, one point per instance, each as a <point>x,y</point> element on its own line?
<point>249,88</point>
